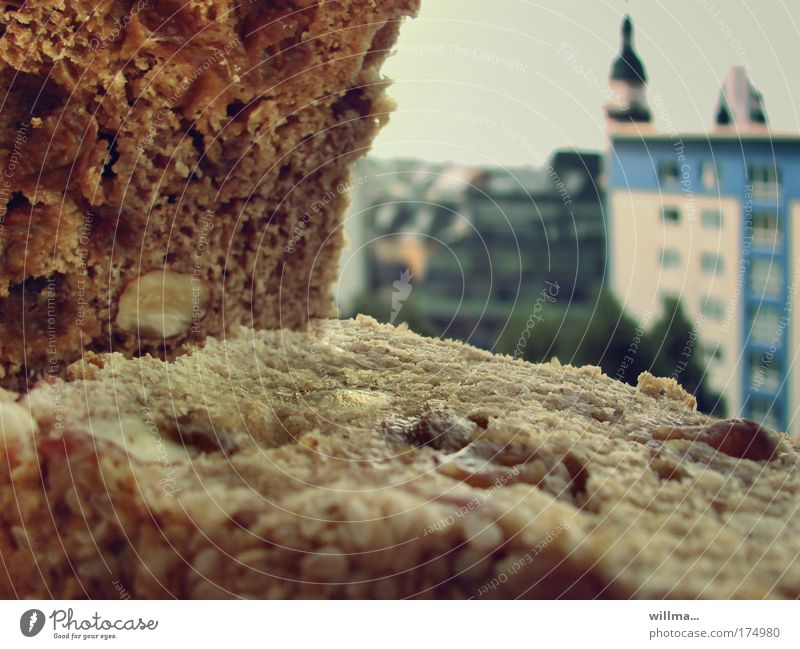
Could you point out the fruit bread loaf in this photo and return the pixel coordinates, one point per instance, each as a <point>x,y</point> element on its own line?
<point>177,167</point>
<point>361,460</point>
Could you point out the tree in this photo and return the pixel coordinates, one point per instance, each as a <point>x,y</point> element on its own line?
<point>378,304</point>
<point>677,353</point>
<point>602,333</point>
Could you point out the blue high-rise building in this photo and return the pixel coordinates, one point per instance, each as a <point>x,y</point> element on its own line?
<point>713,219</point>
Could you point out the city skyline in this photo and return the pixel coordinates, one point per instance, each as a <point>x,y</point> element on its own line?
<point>456,64</point>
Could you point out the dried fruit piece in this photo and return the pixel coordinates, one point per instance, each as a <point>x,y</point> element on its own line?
<point>162,304</point>
<point>742,438</point>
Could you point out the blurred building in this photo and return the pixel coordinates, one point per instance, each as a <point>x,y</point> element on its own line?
<point>714,219</point>
<point>479,243</point>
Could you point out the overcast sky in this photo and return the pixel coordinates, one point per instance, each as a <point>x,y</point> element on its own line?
<point>507,81</point>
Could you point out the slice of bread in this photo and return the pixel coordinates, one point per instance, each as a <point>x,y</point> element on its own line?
<point>361,460</point>
<point>172,168</point>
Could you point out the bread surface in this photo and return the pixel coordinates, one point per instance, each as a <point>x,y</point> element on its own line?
<point>361,460</point>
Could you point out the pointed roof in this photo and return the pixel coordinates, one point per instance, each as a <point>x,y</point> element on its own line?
<point>739,102</point>
<point>723,112</point>
<point>628,66</point>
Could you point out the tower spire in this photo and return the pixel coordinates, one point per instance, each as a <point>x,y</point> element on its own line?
<point>628,79</point>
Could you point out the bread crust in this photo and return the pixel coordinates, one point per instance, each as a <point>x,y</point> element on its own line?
<point>205,144</point>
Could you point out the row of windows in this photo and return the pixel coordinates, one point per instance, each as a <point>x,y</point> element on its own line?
<point>764,177</point>
<point>765,230</point>
<point>710,263</point>
<point>763,224</point>
<point>765,281</point>
<point>764,411</point>
<point>713,308</point>
<point>765,278</point>
<point>765,373</point>
<point>766,324</point>
<point>710,218</point>
<point>765,321</point>
<point>670,173</point>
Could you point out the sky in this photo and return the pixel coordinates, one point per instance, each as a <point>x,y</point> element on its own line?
<point>508,81</point>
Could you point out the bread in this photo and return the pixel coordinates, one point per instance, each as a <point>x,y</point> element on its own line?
<point>175,168</point>
<point>361,460</point>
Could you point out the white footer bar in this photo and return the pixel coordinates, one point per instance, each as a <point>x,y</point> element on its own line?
<point>387,625</point>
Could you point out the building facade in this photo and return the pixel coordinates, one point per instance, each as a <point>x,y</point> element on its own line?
<point>473,245</point>
<point>713,219</point>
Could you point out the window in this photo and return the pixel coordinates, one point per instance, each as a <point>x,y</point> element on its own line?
<point>711,219</point>
<point>709,174</point>
<point>765,278</point>
<point>670,258</point>
<point>765,229</point>
<point>765,179</point>
<point>765,373</point>
<point>711,263</point>
<point>766,322</point>
<point>712,307</point>
<point>712,352</point>
<point>765,412</point>
<point>668,172</point>
<point>670,214</point>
